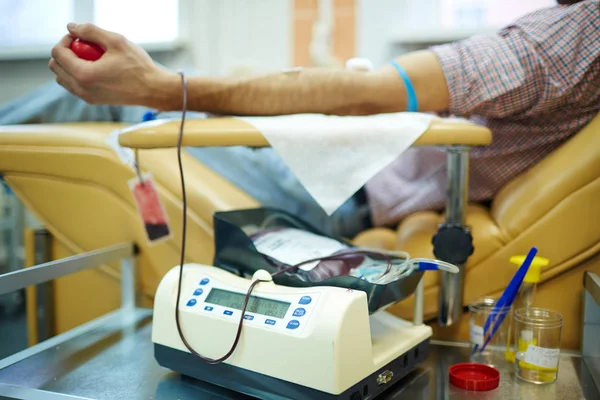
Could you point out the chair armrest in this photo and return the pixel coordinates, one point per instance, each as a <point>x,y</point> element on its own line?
<point>70,134</point>
<point>229,131</point>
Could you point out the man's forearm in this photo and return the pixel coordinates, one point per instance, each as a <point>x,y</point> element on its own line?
<point>311,90</point>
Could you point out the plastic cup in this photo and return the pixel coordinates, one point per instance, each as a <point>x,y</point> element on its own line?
<point>479,312</point>
<point>537,333</point>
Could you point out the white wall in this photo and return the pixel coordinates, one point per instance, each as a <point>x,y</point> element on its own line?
<point>222,36</point>
<point>388,28</point>
<point>379,21</point>
<point>230,34</point>
<point>17,77</point>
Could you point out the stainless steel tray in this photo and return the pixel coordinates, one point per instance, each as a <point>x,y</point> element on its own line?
<point>112,358</point>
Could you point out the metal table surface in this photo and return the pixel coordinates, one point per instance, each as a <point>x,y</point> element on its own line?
<point>113,359</point>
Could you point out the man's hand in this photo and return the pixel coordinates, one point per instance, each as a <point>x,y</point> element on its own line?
<point>124,75</point>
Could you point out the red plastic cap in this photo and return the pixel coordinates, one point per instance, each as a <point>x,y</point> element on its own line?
<point>472,376</point>
<point>86,50</point>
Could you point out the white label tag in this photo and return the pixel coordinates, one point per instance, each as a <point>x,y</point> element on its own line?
<point>542,357</point>
<point>292,246</point>
<point>476,334</point>
<point>124,153</point>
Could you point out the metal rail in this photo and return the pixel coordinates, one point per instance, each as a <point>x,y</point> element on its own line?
<point>49,271</point>
<point>55,269</point>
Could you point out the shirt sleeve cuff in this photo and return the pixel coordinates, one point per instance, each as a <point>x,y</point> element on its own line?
<point>449,58</point>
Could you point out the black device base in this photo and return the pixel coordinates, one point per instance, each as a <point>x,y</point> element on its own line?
<point>269,388</point>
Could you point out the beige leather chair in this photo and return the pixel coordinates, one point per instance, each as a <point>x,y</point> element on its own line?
<point>77,187</point>
<point>74,183</point>
<point>554,206</point>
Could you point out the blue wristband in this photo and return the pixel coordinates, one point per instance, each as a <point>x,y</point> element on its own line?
<point>412,104</point>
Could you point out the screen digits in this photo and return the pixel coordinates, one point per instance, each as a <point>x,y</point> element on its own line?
<point>256,305</point>
<point>253,305</point>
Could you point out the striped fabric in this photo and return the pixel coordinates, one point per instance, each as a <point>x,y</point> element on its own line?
<point>535,84</point>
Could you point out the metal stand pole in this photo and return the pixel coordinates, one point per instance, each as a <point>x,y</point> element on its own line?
<point>419,294</point>
<point>453,242</point>
<point>43,293</point>
<point>128,284</point>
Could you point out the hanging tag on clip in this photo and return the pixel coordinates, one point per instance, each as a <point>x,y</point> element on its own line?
<point>150,208</point>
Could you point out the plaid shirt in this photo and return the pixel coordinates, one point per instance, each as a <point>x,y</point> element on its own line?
<point>535,84</point>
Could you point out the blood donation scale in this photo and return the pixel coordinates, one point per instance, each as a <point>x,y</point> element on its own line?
<point>297,342</point>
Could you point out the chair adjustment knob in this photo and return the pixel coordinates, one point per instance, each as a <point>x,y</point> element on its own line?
<point>453,243</point>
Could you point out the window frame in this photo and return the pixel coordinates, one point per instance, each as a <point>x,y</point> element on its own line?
<point>83,10</point>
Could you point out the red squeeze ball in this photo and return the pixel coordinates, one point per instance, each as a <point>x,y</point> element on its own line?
<point>86,50</point>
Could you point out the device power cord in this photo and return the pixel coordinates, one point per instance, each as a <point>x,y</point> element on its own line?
<point>338,256</point>
<point>183,243</point>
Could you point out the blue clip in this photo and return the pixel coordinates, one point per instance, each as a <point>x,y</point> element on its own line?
<point>425,266</point>
<point>149,116</point>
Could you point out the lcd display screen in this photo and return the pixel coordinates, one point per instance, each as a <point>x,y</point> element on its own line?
<point>256,305</point>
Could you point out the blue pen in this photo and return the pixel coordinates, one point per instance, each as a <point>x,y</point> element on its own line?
<point>507,299</point>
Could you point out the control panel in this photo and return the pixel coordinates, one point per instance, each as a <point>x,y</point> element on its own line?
<point>288,313</point>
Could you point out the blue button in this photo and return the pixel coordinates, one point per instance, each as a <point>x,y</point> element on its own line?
<point>228,312</point>
<point>270,322</point>
<point>305,300</point>
<point>204,281</point>
<point>192,302</point>
<point>249,317</point>
<point>208,308</point>
<point>198,292</point>
<point>298,312</point>
<point>293,324</point>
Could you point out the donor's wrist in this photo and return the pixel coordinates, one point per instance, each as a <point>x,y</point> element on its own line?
<point>166,91</point>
